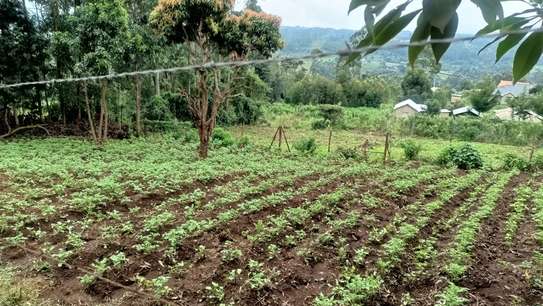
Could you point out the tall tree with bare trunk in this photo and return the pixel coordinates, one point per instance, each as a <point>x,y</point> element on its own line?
<point>212,31</point>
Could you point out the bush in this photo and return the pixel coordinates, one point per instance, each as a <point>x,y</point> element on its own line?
<point>306,145</point>
<point>465,157</point>
<point>221,138</point>
<point>240,110</point>
<point>178,106</point>
<point>331,113</point>
<point>348,153</point>
<point>512,161</point>
<point>446,156</point>
<point>189,136</point>
<point>319,125</point>
<point>315,90</point>
<point>473,129</point>
<point>537,162</point>
<point>157,109</point>
<point>411,149</point>
<point>244,142</point>
<point>371,92</point>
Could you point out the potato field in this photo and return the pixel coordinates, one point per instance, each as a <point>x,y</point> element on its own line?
<point>145,222</point>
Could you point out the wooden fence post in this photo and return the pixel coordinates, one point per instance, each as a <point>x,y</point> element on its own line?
<point>532,152</point>
<point>330,140</point>
<point>286,141</point>
<point>387,148</point>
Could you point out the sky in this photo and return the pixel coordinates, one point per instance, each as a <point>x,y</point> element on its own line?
<point>333,13</point>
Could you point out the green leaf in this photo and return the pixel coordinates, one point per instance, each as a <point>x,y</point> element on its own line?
<point>369,19</point>
<point>507,44</point>
<point>440,12</point>
<point>421,33</point>
<point>448,32</point>
<point>507,23</point>
<point>491,9</point>
<point>394,28</point>
<point>489,44</point>
<point>527,56</point>
<point>358,3</point>
<point>389,18</point>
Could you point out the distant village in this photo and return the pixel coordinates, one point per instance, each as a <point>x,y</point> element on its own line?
<point>505,91</point>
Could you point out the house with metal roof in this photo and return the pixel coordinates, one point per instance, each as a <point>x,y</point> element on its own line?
<point>525,115</point>
<point>466,111</point>
<point>408,108</point>
<point>506,89</point>
<point>445,113</point>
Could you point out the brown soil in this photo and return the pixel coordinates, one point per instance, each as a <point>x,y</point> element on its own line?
<point>496,277</point>
<point>396,280</point>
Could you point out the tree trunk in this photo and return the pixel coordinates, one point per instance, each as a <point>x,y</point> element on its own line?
<point>103,124</point>
<point>157,84</point>
<point>15,116</point>
<point>204,133</point>
<point>138,106</point>
<point>91,117</point>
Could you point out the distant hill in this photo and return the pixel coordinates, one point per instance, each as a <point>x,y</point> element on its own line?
<point>462,58</point>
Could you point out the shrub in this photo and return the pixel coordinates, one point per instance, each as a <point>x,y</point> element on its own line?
<point>411,149</point>
<point>512,161</point>
<point>157,109</point>
<point>240,110</point>
<point>221,138</point>
<point>537,162</point>
<point>348,153</point>
<point>306,145</point>
<point>315,90</point>
<point>319,125</point>
<point>446,156</point>
<point>244,142</point>
<point>189,136</point>
<point>331,113</point>
<point>465,157</point>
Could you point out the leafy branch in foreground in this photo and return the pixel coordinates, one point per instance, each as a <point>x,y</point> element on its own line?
<point>438,19</point>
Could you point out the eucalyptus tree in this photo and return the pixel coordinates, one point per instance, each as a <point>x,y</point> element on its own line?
<point>22,58</point>
<point>101,32</point>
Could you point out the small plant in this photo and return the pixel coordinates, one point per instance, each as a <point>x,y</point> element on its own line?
<point>258,280</point>
<point>118,259</point>
<point>452,296</point>
<point>215,292</point>
<point>233,275</point>
<point>273,250</point>
<point>230,254</point>
<point>158,285</point>
<point>200,253</point>
<point>306,145</point>
<point>411,149</point>
<point>360,256</point>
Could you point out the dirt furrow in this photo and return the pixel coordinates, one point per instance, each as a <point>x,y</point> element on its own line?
<point>496,277</point>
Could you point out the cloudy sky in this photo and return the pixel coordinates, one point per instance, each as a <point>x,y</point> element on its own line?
<point>333,13</point>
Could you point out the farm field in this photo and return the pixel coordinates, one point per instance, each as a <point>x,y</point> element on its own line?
<point>145,222</point>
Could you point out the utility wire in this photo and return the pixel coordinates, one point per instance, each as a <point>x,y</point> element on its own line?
<point>216,65</point>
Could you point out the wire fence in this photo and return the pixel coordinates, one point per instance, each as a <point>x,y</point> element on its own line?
<point>244,63</point>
